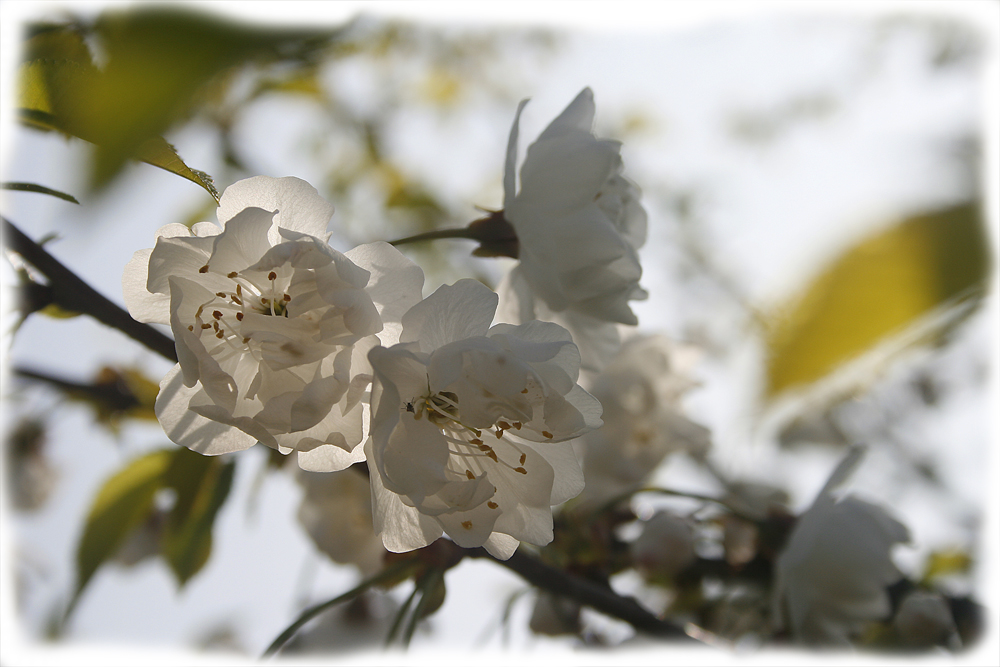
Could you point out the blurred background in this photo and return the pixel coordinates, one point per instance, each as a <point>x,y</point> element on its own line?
<point>821,227</point>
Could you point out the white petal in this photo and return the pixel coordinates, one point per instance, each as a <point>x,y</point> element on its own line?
<point>330,458</point>
<point>190,429</point>
<point>143,305</point>
<point>452,313</point>
<point>568,482</point>
<point>299,206</point>
<point>501,546</point>
<point>395,284</point>
<point>401,527</point>
<point>243,242</point>
<point>510,162</point>
<point>578,115</point>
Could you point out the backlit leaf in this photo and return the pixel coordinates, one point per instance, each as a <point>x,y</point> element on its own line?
<point>202,484</point>
<point>122,504</point>
<point>876,289</point>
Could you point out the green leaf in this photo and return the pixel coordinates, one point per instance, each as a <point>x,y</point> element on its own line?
<point>122,504</point>
<point>202,484</point>
<point>40,189</point>
<point>160,62</point>
<point>876,290</point>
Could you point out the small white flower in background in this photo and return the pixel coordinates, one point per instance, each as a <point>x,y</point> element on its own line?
<point>832,576</point>
<point>469,423</point>
<point>641,391</point>
<point>579,224</point>
<point>272,325</point>
<point>665,547</point>
<point>336,512</point>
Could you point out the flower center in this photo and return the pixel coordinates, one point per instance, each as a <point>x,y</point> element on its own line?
<point>223,313</point>
<point>468,451</point>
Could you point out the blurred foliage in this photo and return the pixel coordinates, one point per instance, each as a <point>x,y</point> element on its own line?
<point>877,289</point>
<point>199,486</point>
<point>114,394</point>
<point>156,64</point>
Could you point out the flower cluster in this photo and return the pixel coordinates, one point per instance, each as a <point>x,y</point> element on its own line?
<point>271,324</point>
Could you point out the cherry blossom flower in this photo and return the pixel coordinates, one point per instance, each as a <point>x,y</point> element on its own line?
<point>579,224</point>
<point>336,512</point>
<point>272,325</point>
<point>470,423</point>
<point>832,576</point>
<point>641,391</point>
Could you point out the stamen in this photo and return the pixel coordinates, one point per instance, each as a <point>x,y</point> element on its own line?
<point>221,294</point>
<point>547,434</point>
<point>518,425</point>
<point>492,505</point>
<point>521,470</point>
<point>475,441</point>
<point>468,473</point>
<point>239,316</point>
<point>467,525</point>
<point>524,391</point>
<point>203,269</point>
<point>272,276</point>
<point>231,275</point>
<point>206,325</point>
<point>523,457</point>
<point>190,327</point>
<point>503,425</point>
<point>221,333</point>
<point>216,314</point>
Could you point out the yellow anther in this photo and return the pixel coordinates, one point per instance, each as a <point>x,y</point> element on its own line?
<point>190,327</point>
<point>222,294</point>
<point>216,314</point>
<point>475,441</point>
<point>523,457</point>
<point>468,473</point>
<point>518,425</point>
<point>203,269</point>
<point>492,455</point>
<point>492,505</point>
<point>221,333</point>
<point>233,274</point>
<point>467,525</point>
<point>503,425</point>
<point>499,433</point>
<point>521,470</point>
<point>287,298</point>
<point>547,434</point>
<point>272,275</point>
<point>524,391</point>
<point>239,316</point>
<point>206,325</point>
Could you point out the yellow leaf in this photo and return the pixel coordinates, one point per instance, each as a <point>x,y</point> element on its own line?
<point>875,290</point>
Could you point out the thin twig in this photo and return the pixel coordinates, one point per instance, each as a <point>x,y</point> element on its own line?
<point>589,593</point>
<point>70,292</point>
<point>460,233</point>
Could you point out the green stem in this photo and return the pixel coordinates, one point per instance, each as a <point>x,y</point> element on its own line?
<point>388,574</point>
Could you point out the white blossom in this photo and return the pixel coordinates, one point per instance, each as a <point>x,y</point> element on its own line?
<point>579,224</point>
<point>641,390</point>
<point>665,547</point>
<point>832,575</point>
<point>272,325</point>
<point>469,425</point>
<point>336,512</point>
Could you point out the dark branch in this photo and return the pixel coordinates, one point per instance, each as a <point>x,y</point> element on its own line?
<point>70,292</point>
<point>589,593</point>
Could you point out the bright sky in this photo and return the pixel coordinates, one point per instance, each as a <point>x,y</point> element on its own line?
<point>689,71</point>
